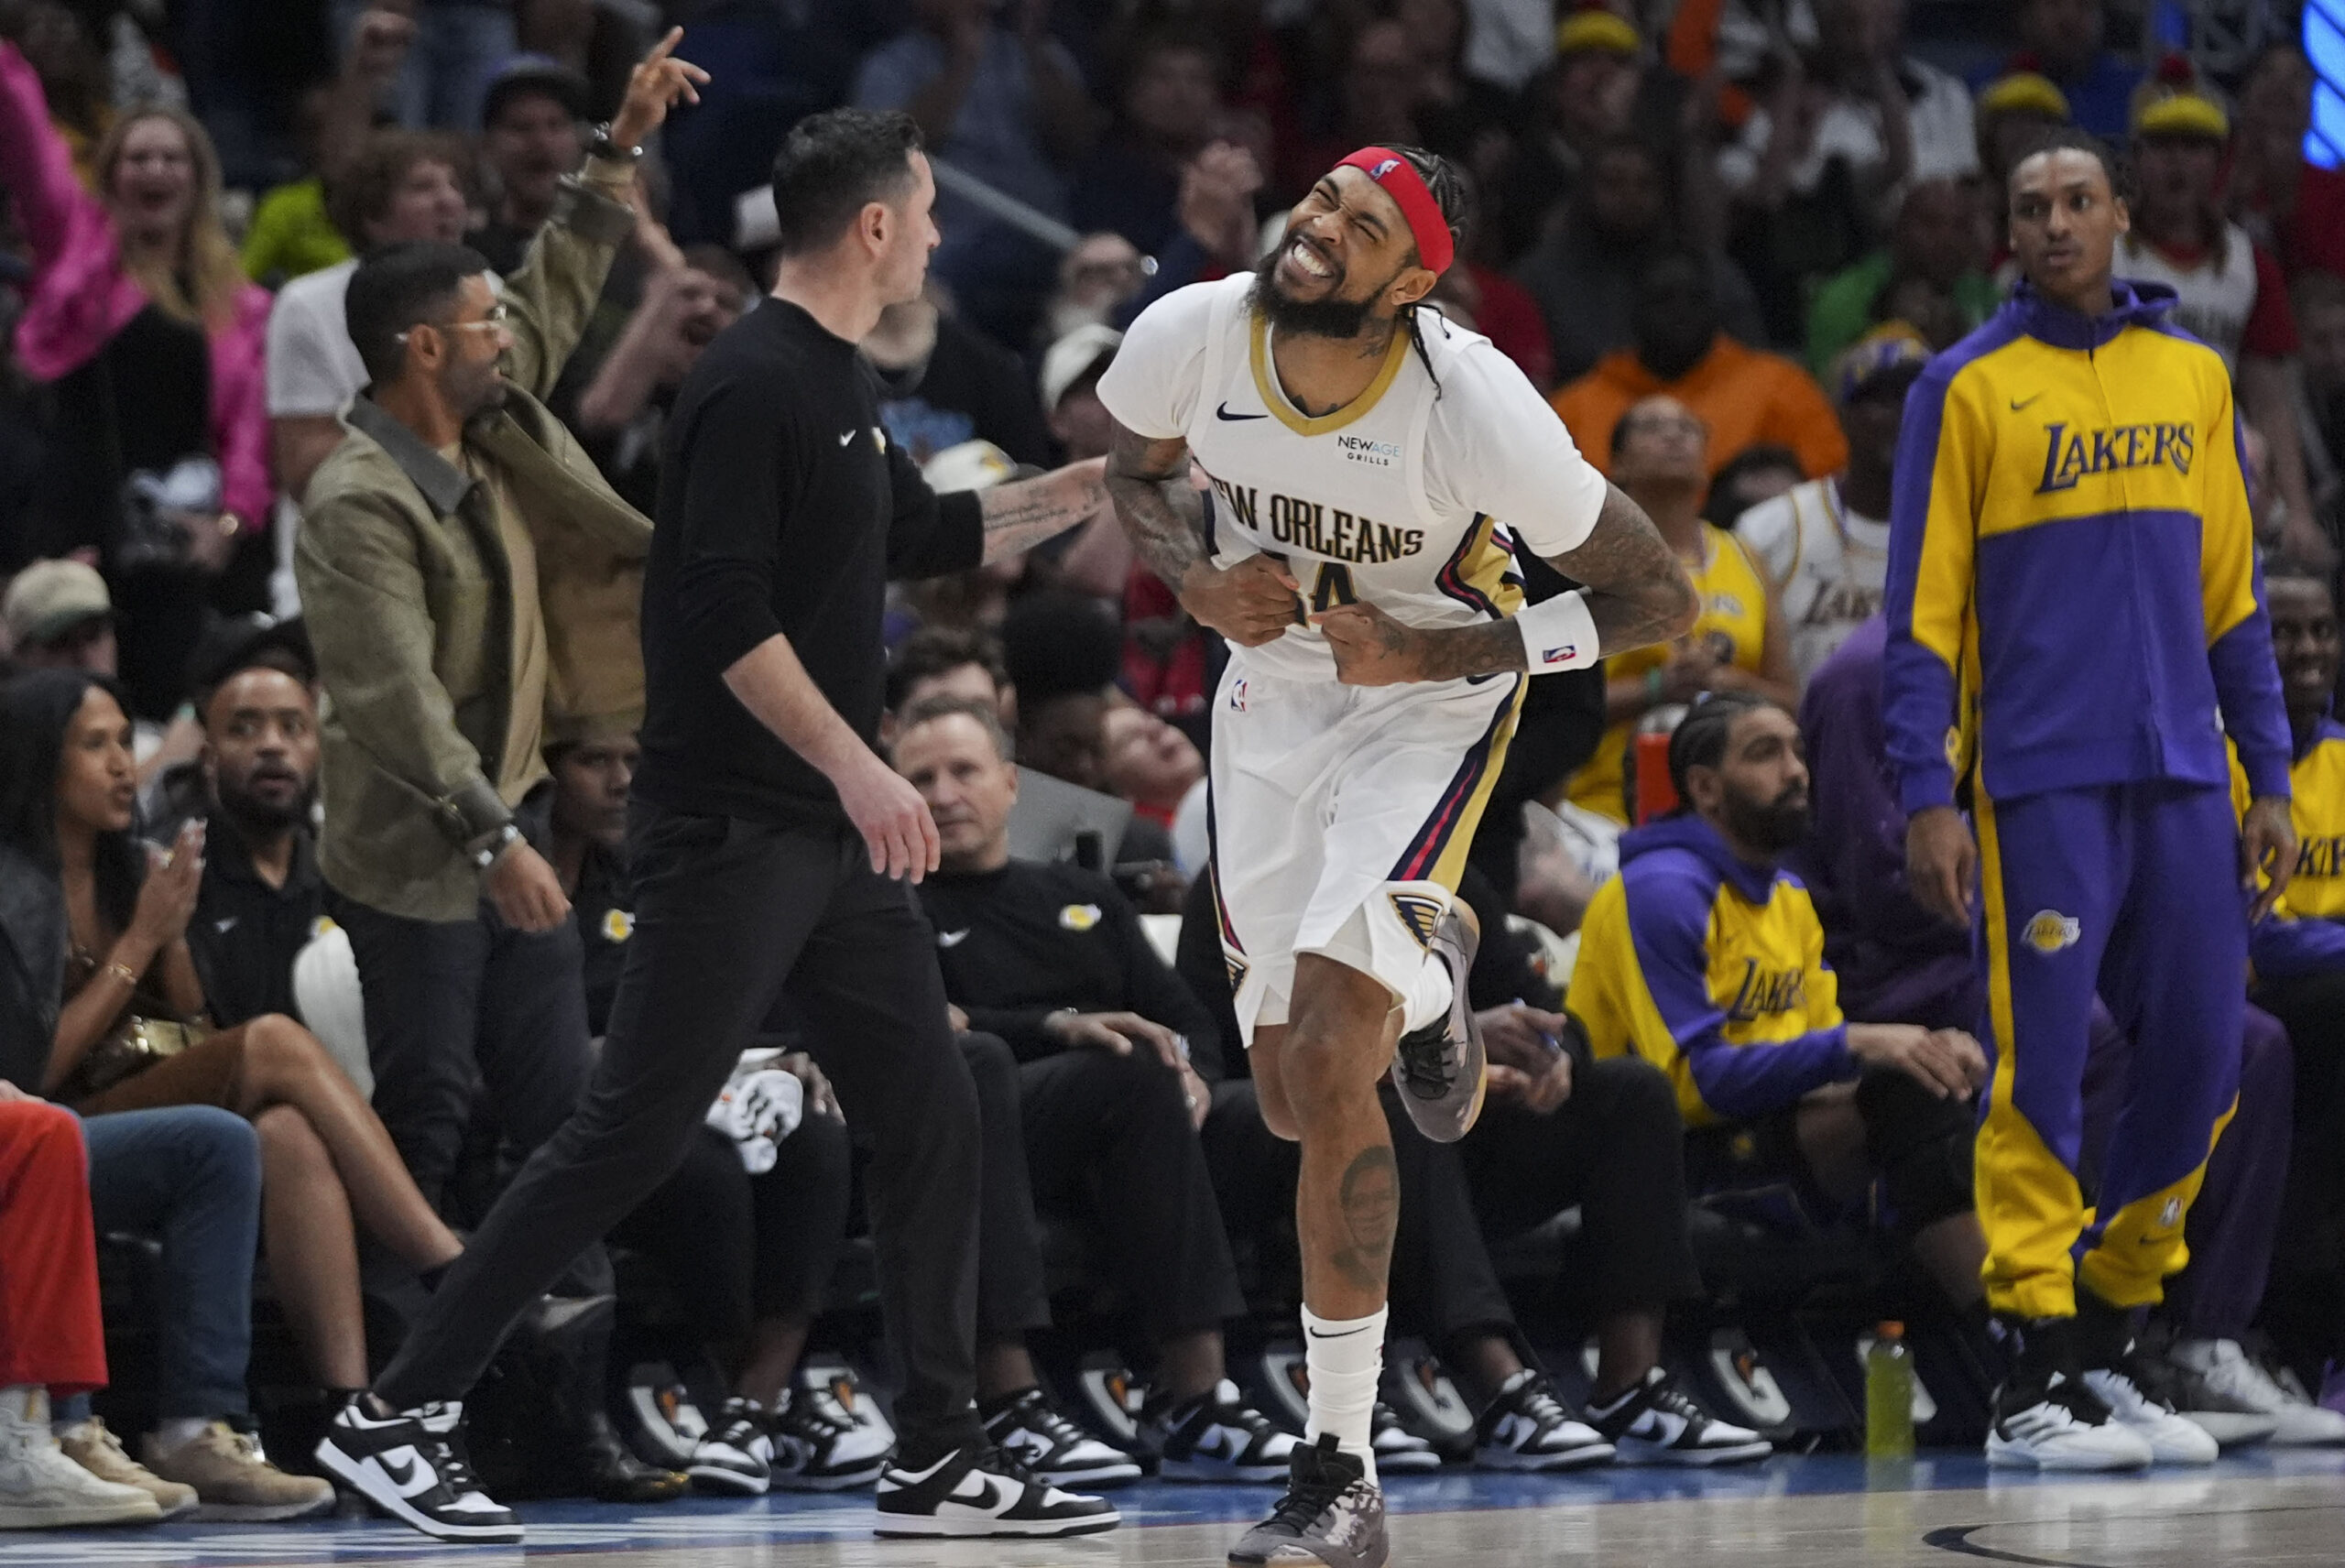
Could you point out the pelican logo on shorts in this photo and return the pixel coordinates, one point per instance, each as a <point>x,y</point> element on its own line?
<point>617,926</point>
<point>2048,931</point>
<point>2171,1215</point>
<point>1079,917</point>
<point>1420,912</point>
<point>1236,968</point>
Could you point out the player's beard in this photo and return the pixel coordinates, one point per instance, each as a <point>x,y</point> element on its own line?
<point>1328,318</point>
<point>1769,826</point>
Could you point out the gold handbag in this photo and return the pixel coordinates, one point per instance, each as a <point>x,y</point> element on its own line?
<point>136,1044</point>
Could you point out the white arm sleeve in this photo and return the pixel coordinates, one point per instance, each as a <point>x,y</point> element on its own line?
<point>1499,449</point>
<point>1152,385</point>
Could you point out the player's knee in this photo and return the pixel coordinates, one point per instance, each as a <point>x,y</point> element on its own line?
<point>1322,1070</point>
<point>1921,1144</point>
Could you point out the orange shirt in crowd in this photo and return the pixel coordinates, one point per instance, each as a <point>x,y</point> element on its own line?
<point>1745,396</point>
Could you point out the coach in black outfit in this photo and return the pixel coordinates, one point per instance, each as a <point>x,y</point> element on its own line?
<point>770,847</point>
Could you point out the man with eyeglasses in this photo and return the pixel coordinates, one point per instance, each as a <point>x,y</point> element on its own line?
<point>472,584</point>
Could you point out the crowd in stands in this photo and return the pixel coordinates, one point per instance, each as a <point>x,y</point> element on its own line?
<point>1722,237</point>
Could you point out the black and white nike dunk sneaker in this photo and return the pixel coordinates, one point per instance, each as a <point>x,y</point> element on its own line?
<point>816,1446</point>
<point>1331,1515</point>
<point>983,1492</point>
<point>1441,1069</point>
<point>1656,1422</point>
<point>1216,1436</point>
<point>1399,1451</point>
<point>413,1465</point>
<point>1526,1428</point>
<point>1028,1428</point>
<point>731,1459</point>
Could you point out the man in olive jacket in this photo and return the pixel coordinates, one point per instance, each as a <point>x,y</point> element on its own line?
<point>472,584</point>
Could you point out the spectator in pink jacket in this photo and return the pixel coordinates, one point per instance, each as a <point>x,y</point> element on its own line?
<point>142,320</point>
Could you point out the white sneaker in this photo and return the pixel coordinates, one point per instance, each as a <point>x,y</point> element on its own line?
<point>2067,1426</point>
<point>2217,1373</point>
<point>2172,1440</point>
<point>40,1488</point>
<point>1656,1422</point>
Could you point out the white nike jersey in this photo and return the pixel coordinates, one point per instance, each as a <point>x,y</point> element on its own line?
<point>1411,498</point>
<point>1831,564</point>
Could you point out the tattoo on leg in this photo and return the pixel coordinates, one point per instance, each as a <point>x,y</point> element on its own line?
<point>1370,1200</point>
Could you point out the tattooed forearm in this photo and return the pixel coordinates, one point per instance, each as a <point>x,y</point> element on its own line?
<point>1637,593</point>
<point>1021,514</point>
<point>1452,653</point>
<point>1370,1204</point>
<point>1149,481</point>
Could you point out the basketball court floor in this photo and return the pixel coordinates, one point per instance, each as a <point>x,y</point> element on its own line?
<point>1824,1512</point>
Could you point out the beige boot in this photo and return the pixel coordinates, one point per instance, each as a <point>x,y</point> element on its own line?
<point>91,1445</point>
<point>235,1481</point>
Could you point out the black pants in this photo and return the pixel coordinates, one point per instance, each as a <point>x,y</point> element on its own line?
<point>1109,1143</point>
<point>1614,1149</point>
<point>1443,1284</point>
<point>457,1008</point>
<point>737,1247</point>
<point>729,914</point>
<point>2304,1306</point>
<point>1012,1295</point>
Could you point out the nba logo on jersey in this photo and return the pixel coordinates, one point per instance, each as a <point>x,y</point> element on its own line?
<point>1238,696</point>
<point>2048,931</point>
<point>1420,912</point>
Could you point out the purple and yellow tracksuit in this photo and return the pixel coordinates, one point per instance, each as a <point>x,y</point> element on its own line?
<point>2074,621</point>
<point>2305,932</point>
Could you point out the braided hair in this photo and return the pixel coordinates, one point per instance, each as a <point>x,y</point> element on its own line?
<point>1699,739</point>
<point>1447,183</point>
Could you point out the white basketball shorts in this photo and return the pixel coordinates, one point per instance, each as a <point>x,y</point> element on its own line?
<point>1341,816</point>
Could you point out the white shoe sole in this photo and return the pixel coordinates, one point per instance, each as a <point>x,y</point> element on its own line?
<point>1089,1480</point>
<point>2232,1429</point>
<point>1414,1462</point>
<point>732,1482</point>
<point>2017,1456</point>
<point>362,1479</point>
<point>1498,1457</point>
<point>923,1526</point>
<point>1210,1473</point>
<point>12,1517</point>
<point>260,1513</point>
<point>842,1483</point>
<point>1631,1451</point>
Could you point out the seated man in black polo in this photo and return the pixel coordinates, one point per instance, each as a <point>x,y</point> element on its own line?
<point>1053,960</point>
<point>262,898</point>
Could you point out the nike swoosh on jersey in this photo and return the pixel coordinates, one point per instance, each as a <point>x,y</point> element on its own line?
<point>846,438</point>
<point>2019,403</point>
<point>1223,413</point>
<point>951,939</point>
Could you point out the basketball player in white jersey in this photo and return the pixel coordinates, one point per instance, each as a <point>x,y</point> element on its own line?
<point>1373,471</point>
<point>1826,543</point>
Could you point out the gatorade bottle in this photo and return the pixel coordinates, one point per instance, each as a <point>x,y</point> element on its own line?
<point>1889,1396</point>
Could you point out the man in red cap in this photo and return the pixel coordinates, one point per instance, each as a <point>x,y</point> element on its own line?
<point>1361,451</point>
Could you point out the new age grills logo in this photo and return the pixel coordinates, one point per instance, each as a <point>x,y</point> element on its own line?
<point>1375,453</point>
<point>2073,456</point>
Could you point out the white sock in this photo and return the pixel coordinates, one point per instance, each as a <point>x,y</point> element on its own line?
<point>1427,1000</point>
<point>1345,1359</point>
<point>27,1402</point>
<point>178,1431</point>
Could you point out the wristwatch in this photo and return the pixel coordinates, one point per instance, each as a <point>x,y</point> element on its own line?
<point>602,147</point>
<point>485,856</point>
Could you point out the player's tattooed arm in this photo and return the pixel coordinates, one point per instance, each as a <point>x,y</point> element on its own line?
<point>1635,590</point>
<point>1022,514</point>
<point>1251,603</point>
<point>1163,516</point>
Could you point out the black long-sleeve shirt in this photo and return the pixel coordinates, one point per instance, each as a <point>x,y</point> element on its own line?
<point>1019,944</point>
<point>784,509</point>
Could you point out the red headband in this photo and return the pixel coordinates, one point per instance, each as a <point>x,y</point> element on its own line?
<point>1401,181</point>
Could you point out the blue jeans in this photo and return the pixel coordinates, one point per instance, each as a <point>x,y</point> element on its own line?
<point>188,1176</point>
